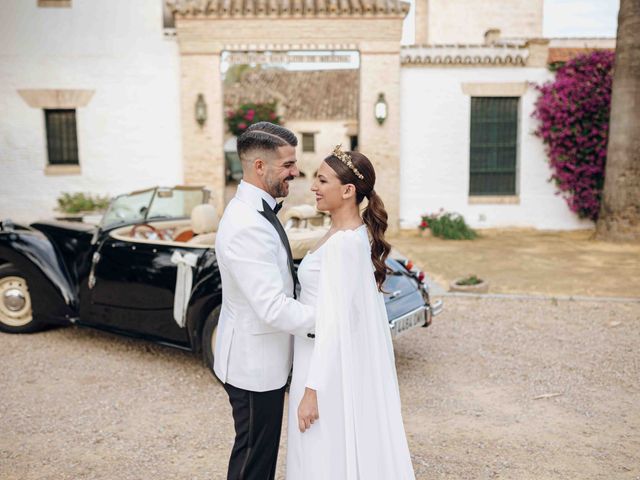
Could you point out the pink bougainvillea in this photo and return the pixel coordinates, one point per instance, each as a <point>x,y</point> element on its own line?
<point>573,111</point>
<point>240,119</point>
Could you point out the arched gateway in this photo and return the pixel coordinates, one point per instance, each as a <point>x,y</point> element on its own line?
<point>206,28</point>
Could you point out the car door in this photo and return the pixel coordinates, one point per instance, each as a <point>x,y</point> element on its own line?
<point>134,287</point>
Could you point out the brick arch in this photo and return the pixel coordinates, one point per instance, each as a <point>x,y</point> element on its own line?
<point>205,29</point>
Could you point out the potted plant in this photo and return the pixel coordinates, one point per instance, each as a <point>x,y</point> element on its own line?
<point>469,284</point>
<point>75,206</point>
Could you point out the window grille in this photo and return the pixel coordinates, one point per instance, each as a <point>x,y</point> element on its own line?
<point>494,135</point>
<point>62,140</point>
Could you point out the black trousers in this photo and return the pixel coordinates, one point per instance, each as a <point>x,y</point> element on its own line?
<point>257,417</point>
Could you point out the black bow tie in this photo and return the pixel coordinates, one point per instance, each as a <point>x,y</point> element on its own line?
<point>277,208</point>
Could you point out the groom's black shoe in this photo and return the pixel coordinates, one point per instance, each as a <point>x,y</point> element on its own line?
<point>257,417</point>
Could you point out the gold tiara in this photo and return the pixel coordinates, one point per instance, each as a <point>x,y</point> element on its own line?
<point>346,159</point>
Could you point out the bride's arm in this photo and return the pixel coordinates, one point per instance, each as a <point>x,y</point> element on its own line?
<point>343,260</point>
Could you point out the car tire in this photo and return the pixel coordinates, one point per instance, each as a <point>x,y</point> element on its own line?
<point>16,314</point>
<point>209,332</point>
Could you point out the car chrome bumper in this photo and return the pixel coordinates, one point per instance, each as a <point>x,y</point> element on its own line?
<point>436,307</point>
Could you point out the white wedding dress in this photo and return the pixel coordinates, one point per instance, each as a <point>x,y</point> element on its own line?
<point>359,435</point>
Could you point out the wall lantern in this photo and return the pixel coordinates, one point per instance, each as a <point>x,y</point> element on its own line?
<point>201,110</point>
<point>380,110</point>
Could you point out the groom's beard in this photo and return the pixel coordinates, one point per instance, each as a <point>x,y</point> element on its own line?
<point>277,188</point>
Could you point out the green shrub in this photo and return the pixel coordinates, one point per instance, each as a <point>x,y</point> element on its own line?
<point>80,202</point>
<point>450,226</point>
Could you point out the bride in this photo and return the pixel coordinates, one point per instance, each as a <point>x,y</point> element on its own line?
<point>344,405</point>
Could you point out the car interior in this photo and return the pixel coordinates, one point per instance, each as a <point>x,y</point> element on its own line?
<point>198,231</point>
<point>304,225</point>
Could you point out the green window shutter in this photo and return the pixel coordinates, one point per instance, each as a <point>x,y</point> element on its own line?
<point>494,137</point>
<point>62,139</point>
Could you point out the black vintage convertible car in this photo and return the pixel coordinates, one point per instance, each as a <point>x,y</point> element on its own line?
<point>122,274</point>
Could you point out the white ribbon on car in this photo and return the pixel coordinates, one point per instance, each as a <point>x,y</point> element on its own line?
<point>184,280</point>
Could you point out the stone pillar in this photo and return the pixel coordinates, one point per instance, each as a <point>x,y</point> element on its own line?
<point>202,147</point>
<point>538,52</point>
<point>421,21</point>
<point>380,73</point>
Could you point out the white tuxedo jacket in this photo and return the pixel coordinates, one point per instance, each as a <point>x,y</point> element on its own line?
<point>253,348</point>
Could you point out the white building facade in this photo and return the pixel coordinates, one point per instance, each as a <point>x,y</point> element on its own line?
<point>436,151</point>
<point>115,73</point>
<point>110,63</point>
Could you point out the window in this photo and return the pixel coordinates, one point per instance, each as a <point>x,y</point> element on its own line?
<point>494,133</point>
<point>308,142</point>
<point>353,143</point>
<point>62,140</point>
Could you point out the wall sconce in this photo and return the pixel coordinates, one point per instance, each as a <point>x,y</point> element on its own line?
<point>381,110</point>
<point>201,110</point>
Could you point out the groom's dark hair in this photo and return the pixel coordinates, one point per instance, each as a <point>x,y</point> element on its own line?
<point>264,137</point>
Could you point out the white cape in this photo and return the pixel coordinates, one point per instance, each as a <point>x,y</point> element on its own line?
<point>353,369</point>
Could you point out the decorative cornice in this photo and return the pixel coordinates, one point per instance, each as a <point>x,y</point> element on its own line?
<point>56,98</point>
<point>494,89</point>
<point>464,55</point>
<point>287,8</point>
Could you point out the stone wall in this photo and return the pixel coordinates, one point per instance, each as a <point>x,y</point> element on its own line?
<point>466,21</point>
<point>377,39</point>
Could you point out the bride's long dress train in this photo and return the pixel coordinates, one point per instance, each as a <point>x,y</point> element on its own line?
<point>359,435</point>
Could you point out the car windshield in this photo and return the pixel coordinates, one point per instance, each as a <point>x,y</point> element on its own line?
<point>175,202</point>
<point>130,208</point>
<point>153,204</point>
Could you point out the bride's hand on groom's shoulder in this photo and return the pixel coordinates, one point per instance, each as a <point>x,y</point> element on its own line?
<point>308,409</point>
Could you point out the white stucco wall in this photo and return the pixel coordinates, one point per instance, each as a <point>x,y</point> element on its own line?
<point>435,128</point>
<point>128,134</point>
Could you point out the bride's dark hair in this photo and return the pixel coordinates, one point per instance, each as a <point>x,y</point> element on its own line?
<point>374,215</point>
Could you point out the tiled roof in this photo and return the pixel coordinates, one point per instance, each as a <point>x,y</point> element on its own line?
<point>462,55</point>
<point>286,8</point>
<point>566,54</point>
<point>303,95</point>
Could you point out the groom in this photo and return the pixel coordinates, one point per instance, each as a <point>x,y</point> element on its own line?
<point>259,313</point>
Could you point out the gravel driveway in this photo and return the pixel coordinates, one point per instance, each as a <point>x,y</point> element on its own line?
<point>495,388</point>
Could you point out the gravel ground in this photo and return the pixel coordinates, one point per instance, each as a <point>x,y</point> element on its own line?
<point>495,388</point>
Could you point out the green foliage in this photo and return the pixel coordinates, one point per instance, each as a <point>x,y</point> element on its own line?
<point>80,202</point>
<point>470,280</point>
<point>448,225</point>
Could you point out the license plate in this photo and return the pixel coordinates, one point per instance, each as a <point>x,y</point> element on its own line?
<point>409,321</point>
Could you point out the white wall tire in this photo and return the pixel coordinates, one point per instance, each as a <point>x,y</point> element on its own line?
<point>16,314</point>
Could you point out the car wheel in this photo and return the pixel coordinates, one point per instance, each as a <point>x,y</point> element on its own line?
<point>16,315</point>
<point>209,333</point>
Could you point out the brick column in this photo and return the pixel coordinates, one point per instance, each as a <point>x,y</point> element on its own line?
<point>421,21</point>
<point>380,73</point>
<point>202,147</point>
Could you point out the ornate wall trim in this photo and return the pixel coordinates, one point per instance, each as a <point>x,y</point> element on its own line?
<point>56,98</point>
<point>502,89</point>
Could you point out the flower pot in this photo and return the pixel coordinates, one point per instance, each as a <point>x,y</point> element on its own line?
<point>426,233</point>
<point>482,287</point>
